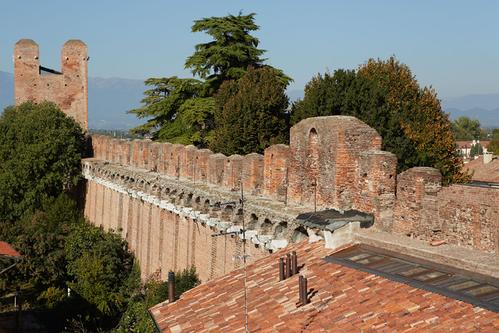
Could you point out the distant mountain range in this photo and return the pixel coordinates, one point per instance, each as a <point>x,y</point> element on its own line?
<point>111,98</point>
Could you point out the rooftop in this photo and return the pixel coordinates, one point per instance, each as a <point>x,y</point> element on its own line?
<point>341,297</point>
<point>6,250</point>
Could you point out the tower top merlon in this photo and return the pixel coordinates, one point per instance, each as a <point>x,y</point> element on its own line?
<point>67,88</point>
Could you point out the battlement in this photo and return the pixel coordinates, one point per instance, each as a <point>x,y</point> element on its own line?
<point>332,162</point>
<point>68,88</point>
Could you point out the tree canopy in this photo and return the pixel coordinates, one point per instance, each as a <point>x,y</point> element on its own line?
<point>182,110</point>
<point>386,95</point>
<point>178,110</point>
<point>250,113</point>
<point>465,128</point>
<point>40,153</point>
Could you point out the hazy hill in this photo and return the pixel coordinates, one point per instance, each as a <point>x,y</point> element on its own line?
<point>109,99</point>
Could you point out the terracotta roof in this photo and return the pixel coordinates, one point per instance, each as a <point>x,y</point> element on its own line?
<point>343,300</point>
<point>468,144</point>
<point>484,172</point>
<point>7,250</point>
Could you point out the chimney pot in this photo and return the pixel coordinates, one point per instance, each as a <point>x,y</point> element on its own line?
<point>171,287</point>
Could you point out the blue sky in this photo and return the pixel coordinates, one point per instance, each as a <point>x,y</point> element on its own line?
<point>450,44</point>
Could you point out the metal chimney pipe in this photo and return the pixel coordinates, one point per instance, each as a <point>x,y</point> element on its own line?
<point>305,291</point>
<point>294,263</point>
<point>300,290</point>
<point>171,287</point>
<point>288,265</point>
<point>281,269</point>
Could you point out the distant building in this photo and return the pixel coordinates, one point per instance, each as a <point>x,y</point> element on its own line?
<point>464,147</point>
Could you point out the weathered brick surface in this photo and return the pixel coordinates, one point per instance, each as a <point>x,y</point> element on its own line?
<point>275,171</point>
<point>216,165</point>
<point>201,169</point>
<point>462,215</point>
<point>376,186</point>
<point>232,172</point>
<point>175,160</point>
<point>252,173</point>
<point>413,186</point>
<point>69,89</point>
<point>324,160</point>
<point>164,157</point>
<point>188,163</point>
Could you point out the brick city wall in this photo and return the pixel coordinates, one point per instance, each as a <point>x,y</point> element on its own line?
<point>68,88</point>
<point>463,215</point>
<point>331,162</point>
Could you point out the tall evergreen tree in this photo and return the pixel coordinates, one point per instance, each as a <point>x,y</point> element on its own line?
<point>181,110</point>
<point>230,52</point>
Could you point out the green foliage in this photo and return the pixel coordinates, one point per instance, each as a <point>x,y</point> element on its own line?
<point>494,143</point>
<point>100,268</point>
<point>251,113</point>
<point>182,110</point>
<point>476,150</point>
<point>494,147</point>
<point>465,128</point>
<point>178,111</point>
<point>136,318</point>
<point>495,134</point>
<point>40,153</point>
<point>230,52</point>
<point>40,237</point>
<point>386,96</point>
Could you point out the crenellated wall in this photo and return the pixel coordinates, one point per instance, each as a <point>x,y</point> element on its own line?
<point>168,200</point>
<point>68,88</point>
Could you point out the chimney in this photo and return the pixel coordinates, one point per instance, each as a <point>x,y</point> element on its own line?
<point>487,158</point>
<point>171,287</point>
<point>281,269</point>
<point>294,263</point>
<point>288,265</point>
<point>302,290</point>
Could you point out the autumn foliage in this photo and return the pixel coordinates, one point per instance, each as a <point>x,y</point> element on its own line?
<point>386,95</point>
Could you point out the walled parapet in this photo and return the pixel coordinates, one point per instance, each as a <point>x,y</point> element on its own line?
<point>233,167</point>
<point>275,172</point>
<point>201,160</point>
<point>324,160</point>
<point>413,187</point>
<point>332,162</point>
<point>188,162</point>
<point>67,88</point>
<point>376,189</point>
<point>463,215</point>
<point>216,167</point>
<point>468,216</point>
<point>252,173</point>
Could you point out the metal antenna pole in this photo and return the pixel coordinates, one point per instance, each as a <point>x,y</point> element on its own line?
<point>246,326</point>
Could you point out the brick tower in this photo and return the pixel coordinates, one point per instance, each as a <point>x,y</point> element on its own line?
<point>67,88</point>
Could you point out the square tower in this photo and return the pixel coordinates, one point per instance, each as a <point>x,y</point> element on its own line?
<point>67,88</point>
